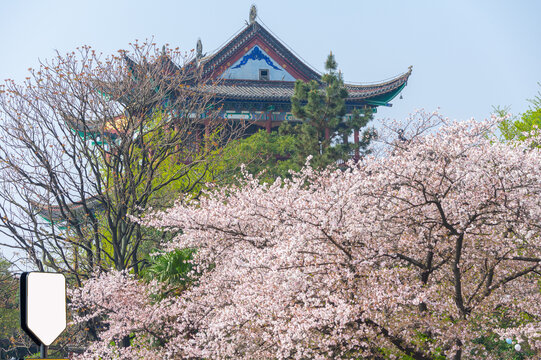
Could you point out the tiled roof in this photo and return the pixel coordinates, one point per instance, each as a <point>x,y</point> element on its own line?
<point>283,90</point>
<point>368,91</point>
<point>250,90</point>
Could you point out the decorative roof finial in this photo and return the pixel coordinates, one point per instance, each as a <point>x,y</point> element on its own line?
<point>199,49</point>
<point>253,13</point>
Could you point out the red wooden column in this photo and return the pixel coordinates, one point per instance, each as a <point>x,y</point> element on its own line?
<point>268,124</point>
<point>198,139</point>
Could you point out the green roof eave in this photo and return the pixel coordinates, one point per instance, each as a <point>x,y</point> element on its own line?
<point>384,99</point>
<point>378,103</point>
<point>54,223</point>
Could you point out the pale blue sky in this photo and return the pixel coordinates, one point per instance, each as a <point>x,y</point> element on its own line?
<point>466,55</point>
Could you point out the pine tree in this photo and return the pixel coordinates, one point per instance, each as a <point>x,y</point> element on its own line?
<point>322,107</point>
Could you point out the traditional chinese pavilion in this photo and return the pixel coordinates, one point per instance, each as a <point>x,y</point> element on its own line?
<point>257,75</point>
<point>252,78</point>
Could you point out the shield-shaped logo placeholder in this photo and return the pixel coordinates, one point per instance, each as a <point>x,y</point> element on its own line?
<point>43,306</point>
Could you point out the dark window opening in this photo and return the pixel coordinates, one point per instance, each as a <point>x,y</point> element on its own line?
<point>263,74</point>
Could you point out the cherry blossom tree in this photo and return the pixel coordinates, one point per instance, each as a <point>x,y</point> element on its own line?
<point>88,139</point>
<point>425,252</point>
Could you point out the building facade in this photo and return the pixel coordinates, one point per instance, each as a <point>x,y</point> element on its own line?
<point>255,75</point>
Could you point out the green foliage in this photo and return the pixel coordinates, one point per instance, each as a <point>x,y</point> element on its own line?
<point>9,301</point>
<point>499,348</point>
<point>330,63</point>
<point>529,120</point>
<point>495,346</point>
<point>9,322</point>
<point>274,155</point>
<point>171,268</point>
<point>267,155</point>
<point>9,309</point>
<point>518,128</point>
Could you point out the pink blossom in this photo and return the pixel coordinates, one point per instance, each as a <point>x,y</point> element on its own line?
<point>435,237</point>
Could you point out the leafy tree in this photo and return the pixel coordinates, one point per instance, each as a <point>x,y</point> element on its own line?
<point>9,313</point>
<point>519,128</point>
<point>268,155</point>
<point>171,270</point>
<point>413,255</point>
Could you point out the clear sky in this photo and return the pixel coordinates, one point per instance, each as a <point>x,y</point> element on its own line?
<point>467,55</point>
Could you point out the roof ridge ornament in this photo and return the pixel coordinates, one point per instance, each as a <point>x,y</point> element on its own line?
<point>253,14</point>
<point>199,49</point>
